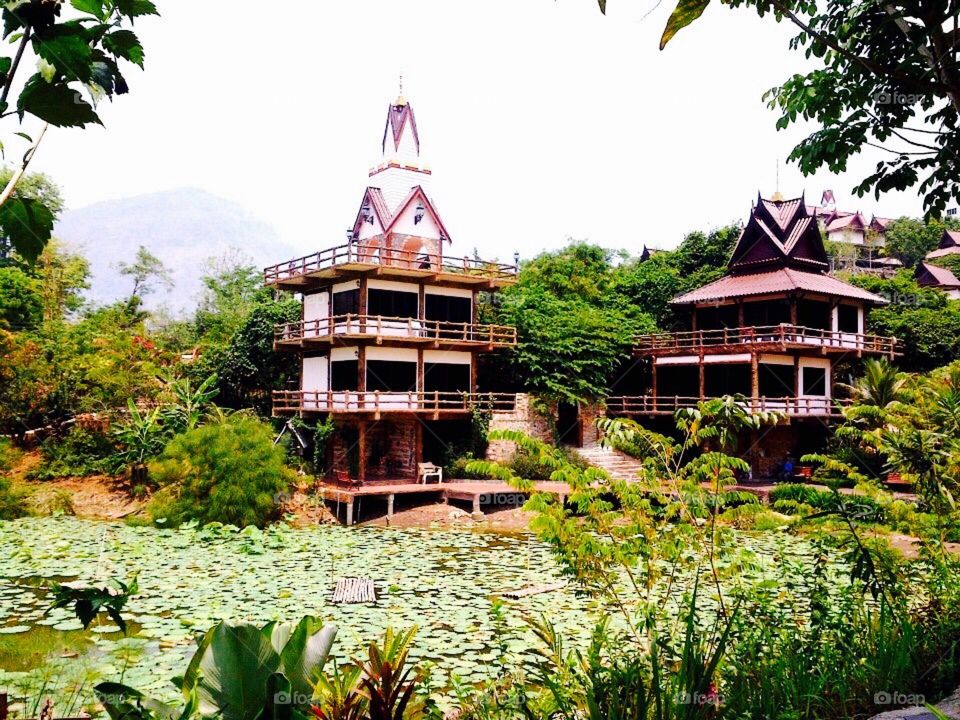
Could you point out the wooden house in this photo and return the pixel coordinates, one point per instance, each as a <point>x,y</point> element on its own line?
<point>389,337</point>
<point>772,330</point>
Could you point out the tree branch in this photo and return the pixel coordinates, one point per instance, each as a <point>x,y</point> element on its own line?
<point>16,64</point>
<point>28,156</point>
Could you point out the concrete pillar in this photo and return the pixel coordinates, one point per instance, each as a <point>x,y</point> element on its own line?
<point>349,513</point>
<point>390,505</point>
<point>476,504</point>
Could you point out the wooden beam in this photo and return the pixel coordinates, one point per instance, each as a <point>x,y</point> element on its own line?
<point>754,375</point>
<point>362,449</point>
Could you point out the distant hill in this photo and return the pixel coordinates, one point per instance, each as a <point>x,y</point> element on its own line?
<point>184,228</point>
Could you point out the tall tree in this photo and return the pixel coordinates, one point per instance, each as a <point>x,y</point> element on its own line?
<point>910,239</point>
<point>147,271</point>
<point>886,75</point>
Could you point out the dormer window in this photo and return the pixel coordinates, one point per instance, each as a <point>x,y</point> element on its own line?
<point>418,213</point>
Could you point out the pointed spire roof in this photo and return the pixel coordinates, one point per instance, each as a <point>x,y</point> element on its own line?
<point>400,119</point>
<point>780,233</point>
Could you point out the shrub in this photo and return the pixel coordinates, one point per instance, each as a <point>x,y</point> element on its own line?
<point>79,453</point>
<point>229,472</point>
<point>9,455</point>
<point>12,501</point>
<point>526,466</point>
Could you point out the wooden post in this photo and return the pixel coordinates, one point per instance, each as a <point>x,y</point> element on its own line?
<point>740,318</point>
<point>793,310</point>
<point>362,449</point>
<point>653,370</point>
<point>754,375</point>
<point>703,378</point>
<point>362,369</point>
<point>796,376</point>
<point>418,442</point>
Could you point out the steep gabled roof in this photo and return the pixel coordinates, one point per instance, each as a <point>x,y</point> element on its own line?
<point>774,282</point>
<point>950,239</point>
<point>399,115</point>
<point>417,193</point>
<point>779,233</point>
<point>847,220</point>
<point>374,198</point>
<point>929,275</point>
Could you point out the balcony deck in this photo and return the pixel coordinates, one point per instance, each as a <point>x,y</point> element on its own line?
<point>343,329</point>
<point>376,403</point>
<point>793,407</point>
<point>769,338</point>
<point>354,259</point>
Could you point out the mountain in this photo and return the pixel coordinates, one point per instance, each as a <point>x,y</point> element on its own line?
<point>185,228</point>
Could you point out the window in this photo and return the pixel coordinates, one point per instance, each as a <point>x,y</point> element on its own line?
<point>446,377</point>
<point>813,314</point>
<point>447,308</point>
<point>391,376</point>
<point>775,381</point>
<point>346,302</point>
<point>814,381</point>
<point>848,318</point>
<point>391,303</point>
<point>766,312</point>
<point>343,375</point>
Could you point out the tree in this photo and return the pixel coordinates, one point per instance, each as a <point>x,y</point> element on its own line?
<point>232,286</point>
<point>910,239</point>
<point>63,276</point>
<point>78,52</point>
<point>39,197</point>
<point>886,75</point>
<point>146,270</point>
<point>21,301</point>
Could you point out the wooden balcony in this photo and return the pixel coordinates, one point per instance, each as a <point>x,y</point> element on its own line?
<point>376,403</point>
<point>793,407</point>
<point>769,338</point>
<point>393,331</point>
<point>355,259</point>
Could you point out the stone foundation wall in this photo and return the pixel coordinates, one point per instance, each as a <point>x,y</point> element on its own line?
<point>588,418</point>
<point>771,449</point>
<point>524,419</point>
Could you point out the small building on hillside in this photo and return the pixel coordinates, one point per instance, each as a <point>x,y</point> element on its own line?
<point>773,330</point>
<point>949,245</point>
<point>843,226</point>
<point>929,275</point>
<point>389,337</point>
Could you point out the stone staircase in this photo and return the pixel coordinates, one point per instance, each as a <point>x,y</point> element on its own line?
<point>618,465</point>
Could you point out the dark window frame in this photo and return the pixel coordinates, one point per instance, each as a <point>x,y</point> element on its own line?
<point>393,303</point>
<point>809,386</point>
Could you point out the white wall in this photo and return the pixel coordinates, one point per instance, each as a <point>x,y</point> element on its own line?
<point>316,306</point>
<point>315,374</point>
<point>448,357</point>
<point>819,363</point>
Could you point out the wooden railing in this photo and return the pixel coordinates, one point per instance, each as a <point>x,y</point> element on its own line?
<point>696,340</point>
<point>439,331</point>
<point>374,255</point>
<point>293,401</point>
<point>626,405</point>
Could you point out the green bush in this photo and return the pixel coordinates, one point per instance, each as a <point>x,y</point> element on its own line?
<point>525,466</point>
<point>12,501</point>
<point>229,472</point>
<point>8,455</point>
<point>81,452</point>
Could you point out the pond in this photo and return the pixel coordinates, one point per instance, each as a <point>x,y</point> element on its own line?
<point>441,581</point>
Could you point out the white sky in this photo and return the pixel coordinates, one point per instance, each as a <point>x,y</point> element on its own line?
<point>541,119</point>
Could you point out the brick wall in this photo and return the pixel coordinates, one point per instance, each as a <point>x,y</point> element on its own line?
<point>391,449</point>
<point>522,418</point>
<point>771,449</point>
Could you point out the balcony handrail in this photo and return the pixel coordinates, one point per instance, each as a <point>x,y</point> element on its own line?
<point>356,324</point>
<point>751,334</point>
<point>374,254</point>
<point>789,405</point>
<point>379,401</point>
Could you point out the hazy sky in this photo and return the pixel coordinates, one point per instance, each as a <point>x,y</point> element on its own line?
<point>542,119</point>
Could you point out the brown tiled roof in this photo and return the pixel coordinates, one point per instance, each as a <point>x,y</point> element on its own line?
<point>951,238</point>
<point>943,277</point>
<point>776,281</point>
<point>846,219</point>
<point>942,252</point>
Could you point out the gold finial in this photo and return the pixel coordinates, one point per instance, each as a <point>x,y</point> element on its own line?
<point>777,196</point>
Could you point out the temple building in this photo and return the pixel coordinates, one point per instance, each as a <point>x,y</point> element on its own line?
<point>389,337</point>
<point>775,330</point>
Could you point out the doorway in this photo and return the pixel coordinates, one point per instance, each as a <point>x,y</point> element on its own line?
<point>569,429</point>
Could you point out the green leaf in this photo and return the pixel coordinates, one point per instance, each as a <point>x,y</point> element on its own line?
<point>603,6</point>
<point>28,224</point>
<point>305,652</point>
<point>5,65</point>
<point>136,8</point>
<point>124,43</point>
<point>67,48</point>
<point>93,7</point>
<point>56,103</point>
<point>683,14</point>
